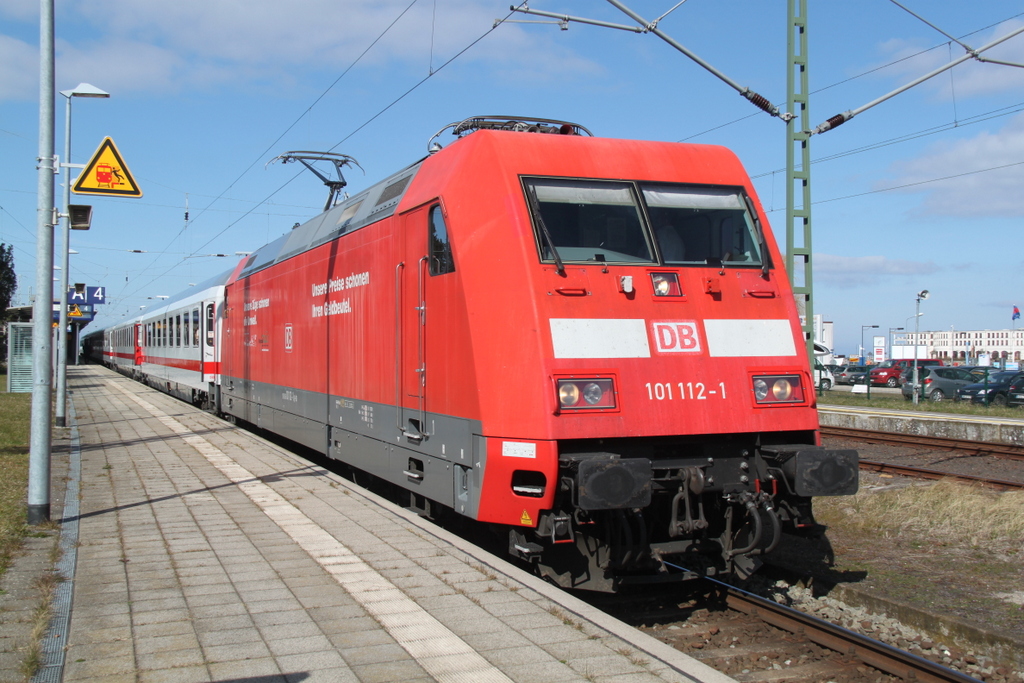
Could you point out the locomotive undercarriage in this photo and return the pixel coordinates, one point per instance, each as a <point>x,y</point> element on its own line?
<point>659,511</point>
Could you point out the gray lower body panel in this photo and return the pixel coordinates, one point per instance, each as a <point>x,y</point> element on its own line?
<point>444,463</point>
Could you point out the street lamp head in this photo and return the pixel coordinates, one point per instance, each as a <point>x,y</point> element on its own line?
<point>923,294</point>
<point>84,90</point>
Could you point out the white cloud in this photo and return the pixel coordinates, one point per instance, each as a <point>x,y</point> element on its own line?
<point>971,78</point>
<point>985,174</point>
<point>170,46</point>
<point>862,271</point>
<point>19,69</point>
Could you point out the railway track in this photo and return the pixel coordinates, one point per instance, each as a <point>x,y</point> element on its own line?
<point>969,447</point>
<point>751,638</point>
<point>855,650</point>
<point>962,447</point>
<point>925,473</point>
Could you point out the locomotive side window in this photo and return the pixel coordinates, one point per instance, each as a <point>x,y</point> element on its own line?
<point>441,260</point>
<point>588,220</point>
<point>699,225</point>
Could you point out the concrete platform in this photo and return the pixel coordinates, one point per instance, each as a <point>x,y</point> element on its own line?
<point>1001,430</point>
<point>207,554</point>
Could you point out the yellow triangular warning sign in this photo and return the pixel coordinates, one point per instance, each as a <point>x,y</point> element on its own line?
<point>75,311</point>
<point>525,519</point>
<point>107,174</point>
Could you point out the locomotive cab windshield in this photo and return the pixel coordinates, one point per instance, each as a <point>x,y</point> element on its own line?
<point>633,223</point>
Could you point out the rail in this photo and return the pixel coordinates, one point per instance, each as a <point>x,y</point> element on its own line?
<point>871,652</point>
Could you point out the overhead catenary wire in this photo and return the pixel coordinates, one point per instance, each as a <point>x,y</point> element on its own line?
<point>840,119</point>
<point>934,130</point>
<point>758,100</point>
<point>862,74</point>
<point>918,183</point>
<point>383,110</point>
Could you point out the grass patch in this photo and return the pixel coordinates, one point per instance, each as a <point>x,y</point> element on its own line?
<point>15,410</point>
<point>897,402</point>
<point>943,513</point>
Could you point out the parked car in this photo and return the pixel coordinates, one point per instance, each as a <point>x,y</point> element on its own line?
<point>823,376</point>
<point>936,383</point>
<point>993,392</point>
<point>888,373</point>
<point>844,374</point>
<point>1015,392</point>
<point>861,377</point>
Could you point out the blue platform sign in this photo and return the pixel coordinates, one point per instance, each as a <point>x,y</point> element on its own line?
<point>82,313</point>
<point>91,296</point>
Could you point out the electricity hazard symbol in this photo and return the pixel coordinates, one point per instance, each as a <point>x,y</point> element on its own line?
<point>525,519</point>
<point>107,174</point>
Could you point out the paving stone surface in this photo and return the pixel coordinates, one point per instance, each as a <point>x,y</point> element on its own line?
<point>208,554</point>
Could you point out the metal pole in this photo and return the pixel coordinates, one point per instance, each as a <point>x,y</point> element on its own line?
<point>42,364</point>
<point>799,252</point>
<point>923,294</point>
<point>62,290</point>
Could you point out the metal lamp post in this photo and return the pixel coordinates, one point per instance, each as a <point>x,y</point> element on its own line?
<point>867,375</point>
<point>923,294</point>
<point>82,90</point>
<point>862,328</point>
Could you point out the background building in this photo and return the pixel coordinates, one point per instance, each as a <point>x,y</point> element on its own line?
<point>962,346</point>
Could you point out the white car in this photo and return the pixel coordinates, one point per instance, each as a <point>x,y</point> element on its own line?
<point>823,378</point>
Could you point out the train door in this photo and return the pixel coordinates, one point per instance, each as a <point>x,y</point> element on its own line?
<point>411,318</point>
<point>207,361</point>
<point>139,343</point>
<point>425,254</point>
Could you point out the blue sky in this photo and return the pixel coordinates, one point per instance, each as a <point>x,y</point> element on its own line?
<point>920,192</point>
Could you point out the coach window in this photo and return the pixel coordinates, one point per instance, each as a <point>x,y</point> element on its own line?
<point>185,336</point>
<point>177,330</point>
<point>441,261</point>
<point>195,327</point>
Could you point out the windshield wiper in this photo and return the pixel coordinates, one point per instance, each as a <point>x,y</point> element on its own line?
<point>531,196</point>
<point>765,257</point>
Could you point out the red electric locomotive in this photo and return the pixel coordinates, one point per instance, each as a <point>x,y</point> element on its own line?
<point>587,341</point>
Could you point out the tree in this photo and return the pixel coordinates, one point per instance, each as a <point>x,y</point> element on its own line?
<point>8,285</point>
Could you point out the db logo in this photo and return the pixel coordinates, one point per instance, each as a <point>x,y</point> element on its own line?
<point>676,337</point>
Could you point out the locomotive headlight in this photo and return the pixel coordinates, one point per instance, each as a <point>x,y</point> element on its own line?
<point>760,389</point>
<point>770,389</point>
<point>586,393</point>
<point>666,284</point>
<point>568,394</point>
<point>782,390</point>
